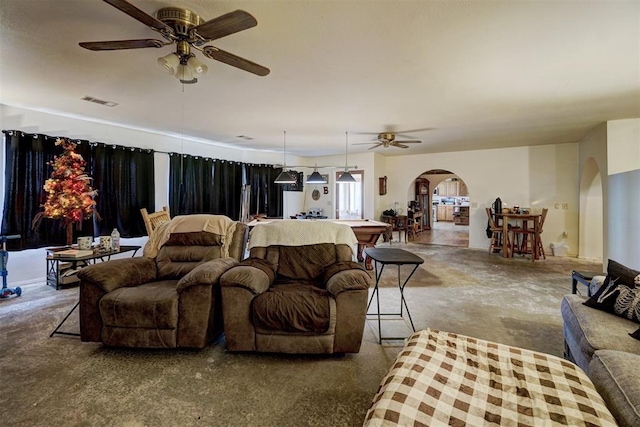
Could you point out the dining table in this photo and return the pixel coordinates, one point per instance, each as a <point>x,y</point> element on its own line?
<point>524,218</point>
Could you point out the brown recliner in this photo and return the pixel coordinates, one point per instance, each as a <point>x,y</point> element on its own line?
<point>168,298</point>
<point>293,297</point>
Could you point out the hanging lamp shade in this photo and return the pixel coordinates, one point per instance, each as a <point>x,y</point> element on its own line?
<point>285,178</point>
<point>346,177</point>
<point>316,178</point>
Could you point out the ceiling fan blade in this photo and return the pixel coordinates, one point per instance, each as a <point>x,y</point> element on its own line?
<point>235,61</point>
<point>413,130</point>
<point>139,15</point>
<point>122,44</point>
<point>365,143</point>
<point>375,146</point>
<point>395,144</point>
<point>226,24</point>
<point>409,142</point>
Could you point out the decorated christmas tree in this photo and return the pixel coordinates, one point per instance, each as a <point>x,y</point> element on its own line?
<point>69,195</point>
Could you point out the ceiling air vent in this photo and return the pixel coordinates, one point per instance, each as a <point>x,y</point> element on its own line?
<point>99,101</point>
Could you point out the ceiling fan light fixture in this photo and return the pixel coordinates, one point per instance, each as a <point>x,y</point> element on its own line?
<point>185,75</point>
<point>169,63</point>
<point>197,67</point>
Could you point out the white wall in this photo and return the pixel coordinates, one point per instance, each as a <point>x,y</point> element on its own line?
<point>533,177</point>
<point>623,204</point>
<point>365,162</point>
<point>593,149</point>
<point>623,146</point>
<point>591,212</point>
<point>615,148</point>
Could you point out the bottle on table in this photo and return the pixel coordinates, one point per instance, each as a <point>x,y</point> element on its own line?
<point>115,240</point>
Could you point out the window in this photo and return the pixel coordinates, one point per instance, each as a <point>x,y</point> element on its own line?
<point>350,197</point>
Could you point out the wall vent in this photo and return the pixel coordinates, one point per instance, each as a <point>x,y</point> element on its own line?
<point>99,101</point>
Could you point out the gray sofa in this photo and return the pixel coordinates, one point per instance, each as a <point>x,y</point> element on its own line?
<point>600,344</point>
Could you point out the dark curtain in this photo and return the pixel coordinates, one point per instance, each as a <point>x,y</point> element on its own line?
<point>227,188</point>
<point>190,184</point>
<point>124,179</point>
<point>27,158</point>
<point>275,195</point>
<point>266,196</point>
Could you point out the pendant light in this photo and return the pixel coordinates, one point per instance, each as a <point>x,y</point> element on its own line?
<point>346,177</point>
<point>315,177</point>
<point>285,177</point>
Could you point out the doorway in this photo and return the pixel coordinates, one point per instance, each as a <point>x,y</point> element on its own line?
<point>350,197</point>
<point>449,201</point>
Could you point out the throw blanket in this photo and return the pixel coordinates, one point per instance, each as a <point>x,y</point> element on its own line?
<point>294,232</point>
<point>444,379</point>
<point>216,224</point>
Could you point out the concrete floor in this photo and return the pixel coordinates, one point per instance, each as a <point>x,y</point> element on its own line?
<point>62,381</point>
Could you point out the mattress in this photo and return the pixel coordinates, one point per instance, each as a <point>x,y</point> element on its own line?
<point>445,379</point>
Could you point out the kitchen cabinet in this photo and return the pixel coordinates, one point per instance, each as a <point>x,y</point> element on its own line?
<point>451,188</point>
<point>445,212</point>
<point>462,189</point>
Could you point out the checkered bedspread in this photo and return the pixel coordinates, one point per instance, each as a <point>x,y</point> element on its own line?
<point>444,379</point>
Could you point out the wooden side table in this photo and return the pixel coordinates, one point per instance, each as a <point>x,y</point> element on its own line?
<point>399,224</point>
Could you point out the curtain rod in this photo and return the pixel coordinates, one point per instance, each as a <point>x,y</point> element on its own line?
<point>80,141</point>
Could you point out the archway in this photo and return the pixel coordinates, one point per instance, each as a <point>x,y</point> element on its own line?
<point>448,204</point>
<point>590,236</point>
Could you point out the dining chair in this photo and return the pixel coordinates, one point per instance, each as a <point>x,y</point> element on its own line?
<point>413,228</point>
<point>540,227</point>
<point>152,220</point>
<point>497,236</point>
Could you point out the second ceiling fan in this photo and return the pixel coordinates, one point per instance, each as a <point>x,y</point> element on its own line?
<point>388,139</point>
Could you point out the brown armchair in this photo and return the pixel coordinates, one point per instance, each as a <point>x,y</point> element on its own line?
<point>168,298</point>
<point>299,292</point>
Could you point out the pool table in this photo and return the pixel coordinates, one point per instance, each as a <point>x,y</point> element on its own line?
<point>367,232</point>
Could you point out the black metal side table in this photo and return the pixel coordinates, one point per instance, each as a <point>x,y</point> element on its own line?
<point>398,257</point>
<point>52,259</point>
<point>584,278</point>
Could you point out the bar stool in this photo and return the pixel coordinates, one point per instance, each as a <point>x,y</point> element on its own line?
<point>527,235</point>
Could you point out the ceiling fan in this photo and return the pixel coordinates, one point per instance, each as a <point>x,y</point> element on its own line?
<point>187,30</point>
<point>388,139</point>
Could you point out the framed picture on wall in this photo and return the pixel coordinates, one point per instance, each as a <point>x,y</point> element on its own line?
<point>297,186</point>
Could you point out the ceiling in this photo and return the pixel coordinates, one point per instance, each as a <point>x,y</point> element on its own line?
<point>474,74</point>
